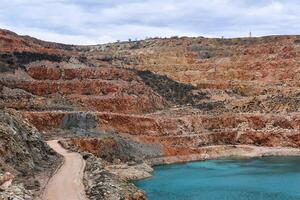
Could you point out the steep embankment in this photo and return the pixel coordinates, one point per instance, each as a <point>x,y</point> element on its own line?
<point>23,154</point>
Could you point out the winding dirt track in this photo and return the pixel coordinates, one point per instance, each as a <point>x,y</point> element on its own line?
<point>66,184</point>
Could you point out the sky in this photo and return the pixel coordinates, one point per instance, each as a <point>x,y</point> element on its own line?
<point>102,21</point>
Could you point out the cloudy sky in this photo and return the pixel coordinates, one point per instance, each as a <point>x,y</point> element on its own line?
<point>100,21</point>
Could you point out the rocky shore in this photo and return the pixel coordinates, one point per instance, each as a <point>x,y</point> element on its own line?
<point>107,179</point>
<point>101,183</point>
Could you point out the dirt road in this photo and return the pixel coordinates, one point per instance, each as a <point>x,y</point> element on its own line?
<point>66,184</point>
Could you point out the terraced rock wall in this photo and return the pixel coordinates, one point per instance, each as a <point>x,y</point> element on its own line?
<point>183,94</point>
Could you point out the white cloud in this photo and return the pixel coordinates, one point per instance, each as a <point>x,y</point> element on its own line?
<point>94,21</point>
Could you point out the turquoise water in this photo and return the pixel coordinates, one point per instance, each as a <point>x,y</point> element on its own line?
<point>270,178</point>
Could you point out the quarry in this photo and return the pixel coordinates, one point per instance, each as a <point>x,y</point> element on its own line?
<point>125,107</point>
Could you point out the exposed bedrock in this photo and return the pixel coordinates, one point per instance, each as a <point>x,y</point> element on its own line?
<point>156,100</point>
<point>244,63</point>
<point>114,148</point>
<point>24,154</point>
<point>184,134</point>
<point>56,71</point>
<point>68,86</point>
<point>111,162</point>
<point>78,120</point>
<point>102,184</point>
<point>20,59</point>
<point>19,138</point>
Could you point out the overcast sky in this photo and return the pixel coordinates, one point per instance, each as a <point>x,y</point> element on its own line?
<point>100,21</point>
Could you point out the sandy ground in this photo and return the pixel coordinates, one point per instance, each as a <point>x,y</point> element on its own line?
<point>66,184</point>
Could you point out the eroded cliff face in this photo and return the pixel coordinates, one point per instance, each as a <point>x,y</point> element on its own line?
<point>24,155</point>
<point>242,75</point>
<point>176,99</point>
<point>21,145</point>
<point>196,92</point>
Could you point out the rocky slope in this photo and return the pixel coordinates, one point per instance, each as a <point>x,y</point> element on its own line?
<point>23,154</point>
<point>100,183</point>
<point>157,100</point>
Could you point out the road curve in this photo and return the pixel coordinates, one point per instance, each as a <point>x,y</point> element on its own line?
<point>66,184</point>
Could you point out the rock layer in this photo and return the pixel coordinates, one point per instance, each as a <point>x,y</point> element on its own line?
<point>187,98</point>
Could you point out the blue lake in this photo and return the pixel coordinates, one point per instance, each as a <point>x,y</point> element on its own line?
<point>269,178</point>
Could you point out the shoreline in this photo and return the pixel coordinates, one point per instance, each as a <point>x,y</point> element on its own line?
<point>226,151</point>
<point>241,152</point>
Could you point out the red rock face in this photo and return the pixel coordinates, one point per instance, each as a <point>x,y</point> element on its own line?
<point>199,92</point>
<point>11,42</point>
<point>99,147</point>
<point>44,121</point>
<point>44,73</point>
<point>186,135</point>
<point>84,88</point>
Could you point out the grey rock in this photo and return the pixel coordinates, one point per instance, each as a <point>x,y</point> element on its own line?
<point>79,120</point>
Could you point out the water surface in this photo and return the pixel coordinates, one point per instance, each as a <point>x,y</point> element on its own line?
<point>269,178</point>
